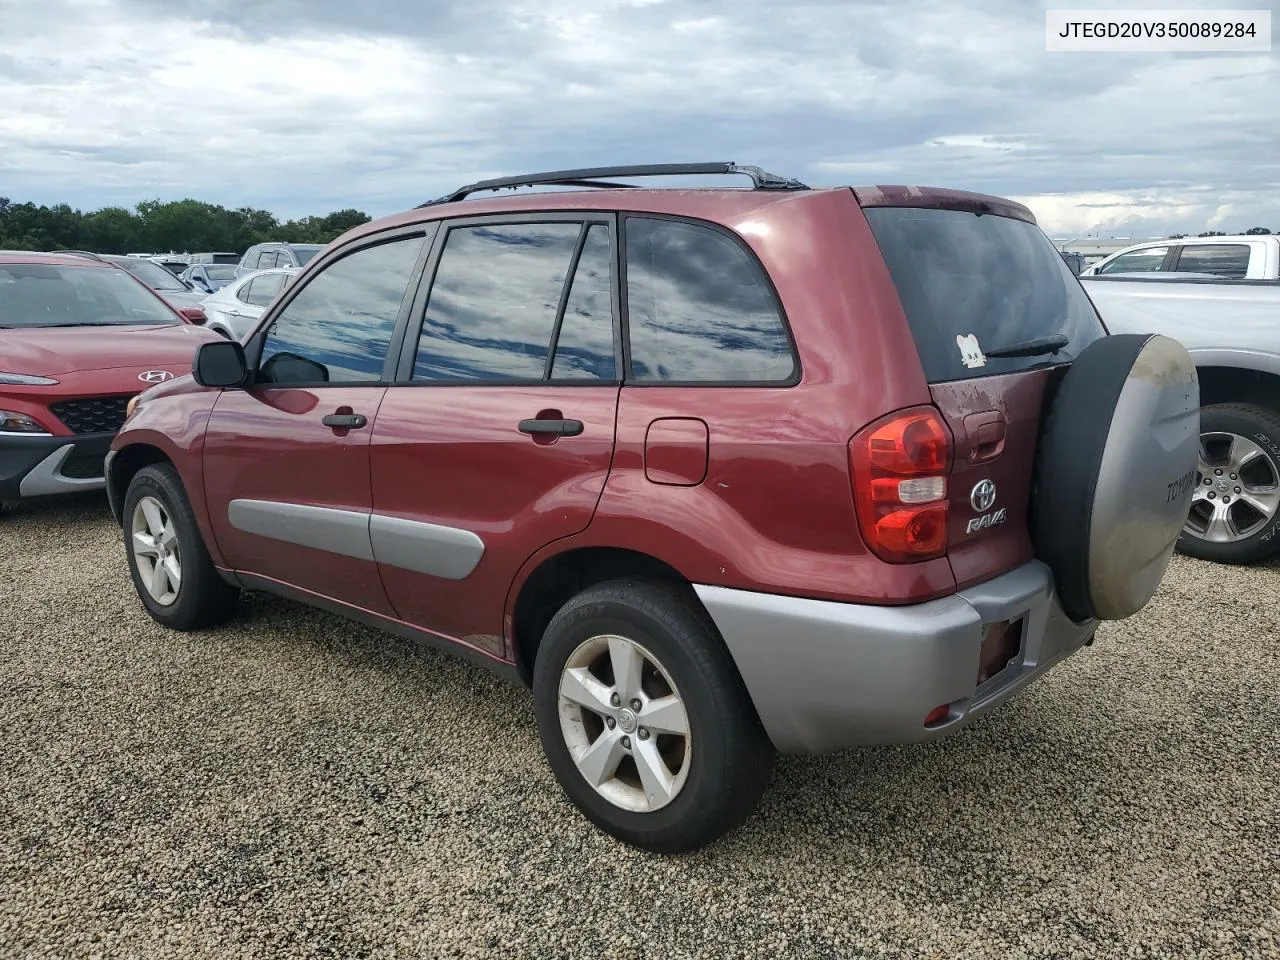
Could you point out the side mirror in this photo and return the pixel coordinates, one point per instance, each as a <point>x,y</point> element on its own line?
<point>220,364</point>
<point>291,368</point>
<point>193,314</point>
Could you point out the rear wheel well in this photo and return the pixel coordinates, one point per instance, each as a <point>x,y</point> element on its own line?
<point>127,463</point>
<point>564,576</point>
<point>1236,385</point>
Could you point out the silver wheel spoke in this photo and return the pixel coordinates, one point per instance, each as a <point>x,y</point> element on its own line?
<point>173,571</point>
<point>627,665</point>
<point>578,686</point>
<point>144,545</point>
<point>1264,501</point>
<point>1220,528</point>
<point>665,715</point>
<point>159,585</point>
<point>1243,451</point>
<point>600,761</point>
<point>169,537</point>
<point>155,522</point>
<point>654,775</point>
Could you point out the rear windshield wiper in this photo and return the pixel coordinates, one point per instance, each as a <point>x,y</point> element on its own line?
<point>1031,348</point>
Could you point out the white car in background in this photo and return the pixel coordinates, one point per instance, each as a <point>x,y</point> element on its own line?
<point>234,310</point>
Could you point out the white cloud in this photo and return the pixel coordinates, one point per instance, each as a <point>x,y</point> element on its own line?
<point>303,107</point>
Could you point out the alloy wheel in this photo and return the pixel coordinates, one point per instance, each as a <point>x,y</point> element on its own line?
<point>624,723</point>
<point>155,551</point>
<point>1237,489</point>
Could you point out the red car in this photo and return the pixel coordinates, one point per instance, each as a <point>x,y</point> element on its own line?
<point>718,472</point>
<point>78,339</point>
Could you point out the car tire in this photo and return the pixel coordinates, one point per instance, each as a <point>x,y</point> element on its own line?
<point>667,793</point>
<point>1115,472</point>
<point>160,531</point>
<point>1232,436</point>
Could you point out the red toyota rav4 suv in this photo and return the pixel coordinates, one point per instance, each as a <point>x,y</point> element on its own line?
<point>718,472</point>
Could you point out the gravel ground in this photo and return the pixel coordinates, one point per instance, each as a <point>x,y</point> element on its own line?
<point>296,786</point>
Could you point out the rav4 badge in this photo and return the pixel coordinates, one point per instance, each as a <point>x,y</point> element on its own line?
<point>983,497</point>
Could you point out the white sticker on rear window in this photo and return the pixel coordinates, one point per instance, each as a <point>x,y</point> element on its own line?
<point>971,354</point>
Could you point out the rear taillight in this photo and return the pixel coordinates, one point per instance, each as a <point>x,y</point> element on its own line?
<point>899,467</point>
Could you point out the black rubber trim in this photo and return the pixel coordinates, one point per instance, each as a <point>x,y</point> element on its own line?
<point>1076,425</point>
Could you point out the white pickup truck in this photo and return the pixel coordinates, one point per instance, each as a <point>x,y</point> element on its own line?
<point>1231,327</point>
<point>1229,258</point>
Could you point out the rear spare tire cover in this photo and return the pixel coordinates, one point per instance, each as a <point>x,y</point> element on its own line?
<point>1115,472</point>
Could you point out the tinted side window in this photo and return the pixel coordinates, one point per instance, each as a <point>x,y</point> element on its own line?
<point>494,300</point>
<point>266,260</point>
<point>584,349</point>
<point>1140,261</point>
<point>337,329</point>
<point>700,307</point>
<point>264,289</point>
<point>1227,260</point>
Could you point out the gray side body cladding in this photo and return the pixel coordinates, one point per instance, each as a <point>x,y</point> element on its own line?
<point>439,551</point>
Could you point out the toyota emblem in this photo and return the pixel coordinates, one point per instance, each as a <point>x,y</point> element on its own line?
<point>983,496</point>
<point>155,376</point>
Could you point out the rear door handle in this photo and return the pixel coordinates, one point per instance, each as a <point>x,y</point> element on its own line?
<point>345,421</point>
<point>561,428</point>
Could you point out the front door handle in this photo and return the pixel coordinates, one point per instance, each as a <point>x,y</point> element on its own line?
<point>560,428</point>
<point>345,421</point>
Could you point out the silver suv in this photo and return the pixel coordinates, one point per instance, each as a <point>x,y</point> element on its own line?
<point>267,256</point>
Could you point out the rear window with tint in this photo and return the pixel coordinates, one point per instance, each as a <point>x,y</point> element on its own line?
<point>970,283</point>
<point>1227,260</point>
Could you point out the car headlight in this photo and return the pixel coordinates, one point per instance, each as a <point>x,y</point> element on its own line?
<point>12,422</point>
<point>26,380</point>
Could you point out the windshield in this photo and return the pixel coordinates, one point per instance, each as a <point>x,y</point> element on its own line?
<point>152,274</point>
<point>971,283</point>
<point>219,271</point>
<point>53,295</point>
<point>304,252</point>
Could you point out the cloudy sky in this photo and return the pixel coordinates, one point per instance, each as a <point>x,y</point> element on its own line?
<point>304,106</point>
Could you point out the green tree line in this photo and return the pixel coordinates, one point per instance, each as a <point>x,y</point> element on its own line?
<point>182,226</point>
<point>1251,232</point>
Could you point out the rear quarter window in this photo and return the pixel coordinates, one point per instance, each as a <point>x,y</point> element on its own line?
<point>700,308</point>
<point>967,280</point>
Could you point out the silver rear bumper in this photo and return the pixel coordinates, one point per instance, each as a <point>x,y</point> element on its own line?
<point>825,676</point>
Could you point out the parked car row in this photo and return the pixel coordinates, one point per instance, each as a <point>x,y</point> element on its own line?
<point>228,298</point>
